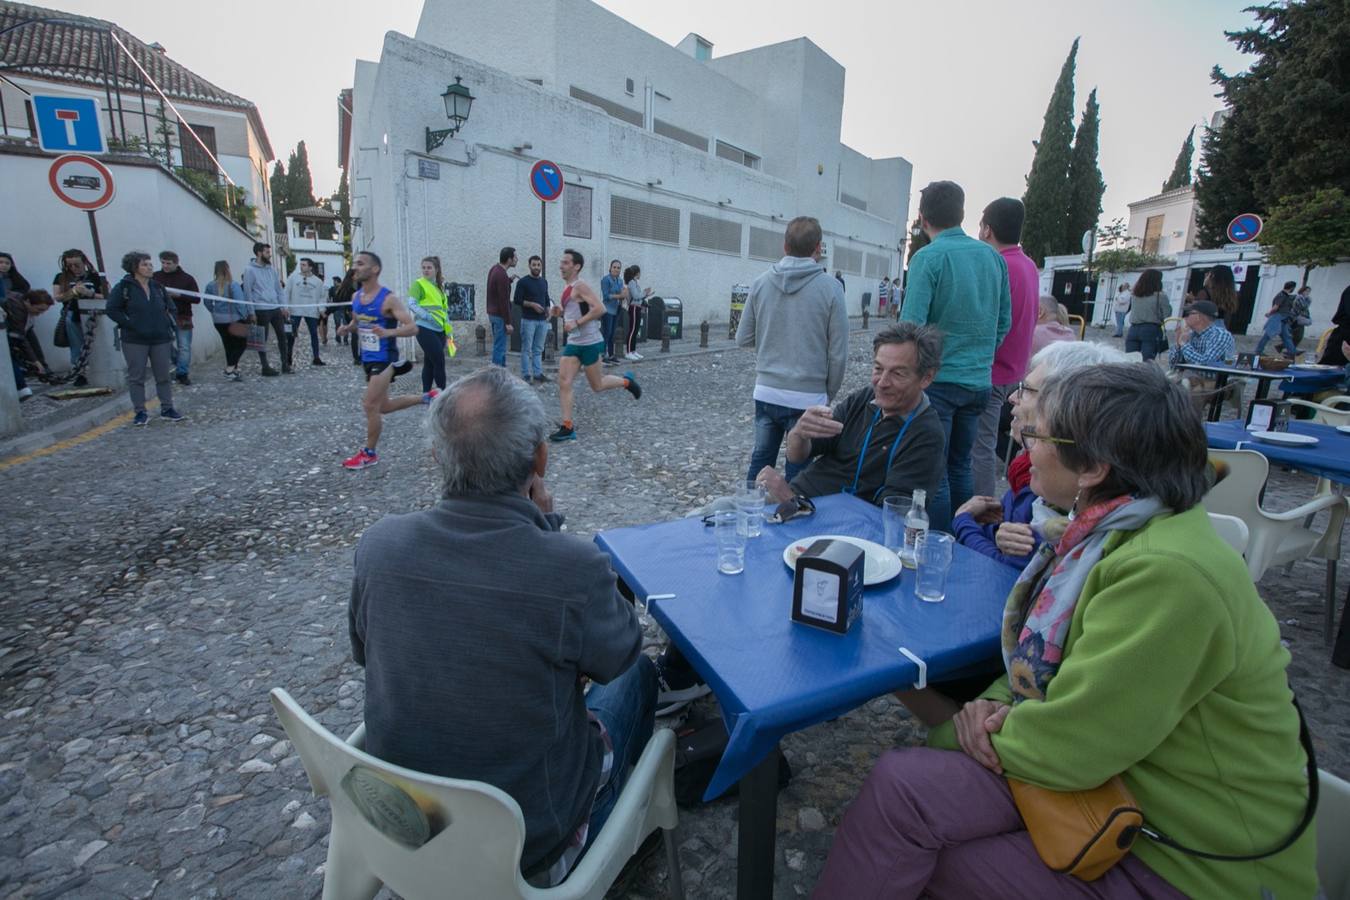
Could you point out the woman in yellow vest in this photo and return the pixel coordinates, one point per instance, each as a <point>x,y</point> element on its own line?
<point>434,331</point>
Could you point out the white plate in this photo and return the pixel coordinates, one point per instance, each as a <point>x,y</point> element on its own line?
<point>1285,437</point>
<point>879,564</point>
<point>1343,429</point>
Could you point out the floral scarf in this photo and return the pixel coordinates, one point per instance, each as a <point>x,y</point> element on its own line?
<point>1040,608</point>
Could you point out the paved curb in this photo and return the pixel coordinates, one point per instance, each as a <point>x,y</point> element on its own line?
<point>72,427</point>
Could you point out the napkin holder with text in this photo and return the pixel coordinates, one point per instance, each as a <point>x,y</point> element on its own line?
<point>1268,415</point>
<point>827,589</point>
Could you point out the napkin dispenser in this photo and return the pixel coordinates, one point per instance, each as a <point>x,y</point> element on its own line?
<point>827,589</point>
<point>1268,415</point>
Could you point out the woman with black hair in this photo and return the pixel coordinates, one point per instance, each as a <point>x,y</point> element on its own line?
<point>635,300</point>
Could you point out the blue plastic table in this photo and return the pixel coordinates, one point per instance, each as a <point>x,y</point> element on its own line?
<point>773,676</point>
<point>1329,458</point>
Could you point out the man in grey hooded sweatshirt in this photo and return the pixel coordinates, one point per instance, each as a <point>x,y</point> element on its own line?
<point>796,320</point>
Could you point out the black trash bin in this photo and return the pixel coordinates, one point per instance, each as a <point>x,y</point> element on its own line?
<point>668,311</point>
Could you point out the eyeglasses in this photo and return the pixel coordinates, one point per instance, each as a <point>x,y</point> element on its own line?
<point>1030,437</point>
<point>1024,388</point>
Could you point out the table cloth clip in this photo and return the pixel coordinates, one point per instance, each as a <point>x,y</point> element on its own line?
<point>923,668</point>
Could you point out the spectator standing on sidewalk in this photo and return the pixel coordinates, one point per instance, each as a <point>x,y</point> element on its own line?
<point>1149,308</point>
<point>637,302</point>
<point>141,308</point>
<point>229,315</point>
<point>335,312</point>
<point>499,303</point>
<point>1120,306</point>
<point>77,280</point>
<point>431,313</point>
<point>532,298</point>
<point>343,295</point>
<point>305,298</point>
<point>170,277</point>
<point>611,294</point>
<point>266,296</point>
<point>960,285</point>
<point>796,320</point>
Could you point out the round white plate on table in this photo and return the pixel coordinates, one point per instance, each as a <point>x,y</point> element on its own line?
<point>1287,438</point>
<point>1343,429</point>
<point>879,564</point>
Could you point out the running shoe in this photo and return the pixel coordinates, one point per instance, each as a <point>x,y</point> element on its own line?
<point>633,387</point>
<point>563,434</point>
<point>403,367</point>
<point>677,684</point>
<point>362,460</point>
<point>172,415</point>
<point>631,357</point>
<point>429,396</point>
<point>142,419</point>
<point>638,355</point>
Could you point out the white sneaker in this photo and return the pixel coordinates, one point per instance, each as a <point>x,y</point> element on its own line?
<point>631,357</point>
<point>25,393</point>
<point>637,355</point>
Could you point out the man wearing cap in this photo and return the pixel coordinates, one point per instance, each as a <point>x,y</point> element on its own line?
<point>1202,339</point>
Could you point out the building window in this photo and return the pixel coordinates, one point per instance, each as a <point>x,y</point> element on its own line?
<point>577,211</point>
<point>1152,234</point>
<point>194,157</point>
<point>717,235</point>
<point>737,155</point>
<point>766,244</point>
<point>877,266</point>
<point>855,202</point>
<point>848,260</point>
<point>617,110</point>
<point>702,50</point>
<point>628,86</point>
<point>645,221</point>
<point>665,129</point>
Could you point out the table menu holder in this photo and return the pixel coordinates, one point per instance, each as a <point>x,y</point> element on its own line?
<point>1247,360</point>
<point>1268,415</point>
<point>827,589</point>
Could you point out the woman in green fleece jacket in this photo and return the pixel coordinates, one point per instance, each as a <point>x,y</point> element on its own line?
<point>1135,645</point>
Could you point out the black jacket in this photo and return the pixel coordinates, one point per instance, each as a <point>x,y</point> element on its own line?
<point>144,320</point>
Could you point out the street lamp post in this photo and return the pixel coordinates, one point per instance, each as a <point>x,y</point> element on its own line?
<point>458,102</point>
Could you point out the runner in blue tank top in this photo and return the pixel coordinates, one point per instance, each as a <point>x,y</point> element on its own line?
<point>379,319</point>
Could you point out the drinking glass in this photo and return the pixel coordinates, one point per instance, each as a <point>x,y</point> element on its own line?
<point>730,541</point>
<point>893,512</point>
<point>934,558</point>
<point>750,503</point>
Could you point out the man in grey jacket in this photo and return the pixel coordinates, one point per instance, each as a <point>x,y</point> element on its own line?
<point>479,623</point>
<point>796,320</point>
<point>263,291</point>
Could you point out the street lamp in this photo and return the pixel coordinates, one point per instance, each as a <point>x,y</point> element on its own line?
<point>458,102</point>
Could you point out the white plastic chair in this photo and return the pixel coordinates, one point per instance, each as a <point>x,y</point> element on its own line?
<point>1232,530</point>
<point>1322,413</point>
<point>476,852</point>
<point>1277,538</point>
<point>1333,824</point>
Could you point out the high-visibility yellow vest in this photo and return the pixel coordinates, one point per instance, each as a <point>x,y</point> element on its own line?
<point>433,301</point>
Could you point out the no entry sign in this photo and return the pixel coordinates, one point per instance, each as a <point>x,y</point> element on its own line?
<point>81,181</point>
<point>546,181</point>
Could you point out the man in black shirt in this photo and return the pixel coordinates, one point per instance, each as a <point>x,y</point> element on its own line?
<point>532,298</point>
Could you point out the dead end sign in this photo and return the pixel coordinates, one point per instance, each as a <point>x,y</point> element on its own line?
<point>81,181</point>
<point>546,180</point>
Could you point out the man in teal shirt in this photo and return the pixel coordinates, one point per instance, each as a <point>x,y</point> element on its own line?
<point>960,286</point>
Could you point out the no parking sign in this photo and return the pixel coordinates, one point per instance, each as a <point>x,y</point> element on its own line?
<point>546,180</point>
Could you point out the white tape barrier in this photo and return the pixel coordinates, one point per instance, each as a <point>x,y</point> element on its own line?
<point>266,304</point>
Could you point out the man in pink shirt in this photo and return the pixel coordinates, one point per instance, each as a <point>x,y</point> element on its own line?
<point>1001,228</point>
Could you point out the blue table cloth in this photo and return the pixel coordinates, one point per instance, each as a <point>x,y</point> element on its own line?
<point>1303,381</point>
<point>1329,458</point>
<point>774,676</point>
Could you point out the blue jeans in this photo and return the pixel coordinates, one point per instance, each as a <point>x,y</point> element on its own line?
<point>627,707</point>
<point>1277,324</point>
<point>498,340</point>
<point>532,333</point>
<point>75,334</point>
<point>771,423</point>
<point>607,322</point>
<point>1120,324</point>
<point>959,408</point>
<point>184,351</point>
<point>1147,338</point>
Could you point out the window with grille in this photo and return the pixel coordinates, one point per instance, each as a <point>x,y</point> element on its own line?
<point>848,260</point>
<point>194,157</point>
<point>878,266</point>
<point>766,244</point>
<point>665,129</point>
<point>737,155</point>
<point>646,221</point>
<point>577,211</point>
<point>718,235</point>
<point>855,202</point>
<point>617,110</point>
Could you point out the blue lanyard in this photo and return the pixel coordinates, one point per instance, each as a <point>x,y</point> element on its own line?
<point>890,458</point>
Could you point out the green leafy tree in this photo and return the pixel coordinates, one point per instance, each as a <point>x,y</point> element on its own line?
<point>917,240</point>
<point>1114,236</point>
<point>1047,195</point>
<point>279,188</point>
<point>1127,259</point>
<point>1308,230</point>
<point>1085,178</point>
<point>1181,169</point>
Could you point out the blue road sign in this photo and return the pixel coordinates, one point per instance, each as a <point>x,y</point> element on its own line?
<point>1244,228</point>
<point>68,124</point>
<point>546,180</point>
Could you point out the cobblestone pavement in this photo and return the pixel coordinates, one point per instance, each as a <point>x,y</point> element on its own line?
<point>156,582</point>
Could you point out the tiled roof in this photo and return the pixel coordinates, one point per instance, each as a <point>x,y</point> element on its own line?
<point>69,50</point>
<point>313,212</point>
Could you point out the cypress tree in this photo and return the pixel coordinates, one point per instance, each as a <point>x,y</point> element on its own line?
<point>1047,195</point>
<point>300,186</point>
<point>1181,169</point>
<point>277,184</point>
<point>1085,178</point>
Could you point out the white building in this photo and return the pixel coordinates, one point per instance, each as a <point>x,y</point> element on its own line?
<point>1164,223</point>
<point>315,233</point>
<point>687,164</point>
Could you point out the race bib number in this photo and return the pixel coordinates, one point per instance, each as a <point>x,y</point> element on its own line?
<point>370,340</point>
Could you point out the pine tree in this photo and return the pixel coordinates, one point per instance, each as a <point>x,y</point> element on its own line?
<point>278,187</point>
<point>1181,169</point>
<point>1047,195</point>
<point>1085,178</point>
<point>1223,186</point>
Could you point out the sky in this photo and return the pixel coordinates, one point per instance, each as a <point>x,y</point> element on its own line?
<point>957,87</point>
